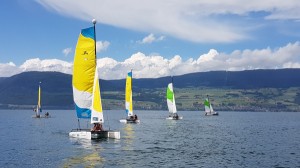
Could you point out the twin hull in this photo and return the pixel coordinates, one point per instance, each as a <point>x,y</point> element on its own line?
<point>88,134</point>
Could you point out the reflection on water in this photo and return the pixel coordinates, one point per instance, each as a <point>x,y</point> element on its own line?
<point>128,137</point>
<point>171,124</point>
<point>89,160</point>
<point>89,154</point>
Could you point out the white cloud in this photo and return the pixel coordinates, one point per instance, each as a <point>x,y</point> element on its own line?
<point>102,45</point>
<point>194,20</point>
<point>198,21</point>
<point>8,69</point>
<point>153,66</point>
<point>67,51</point>
<point>46,65</point>
<point>150,39</point>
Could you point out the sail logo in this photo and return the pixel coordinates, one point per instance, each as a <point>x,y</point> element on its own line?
<point>85,53</point>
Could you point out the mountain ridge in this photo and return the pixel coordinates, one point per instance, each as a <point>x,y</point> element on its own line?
<point>21,89</point>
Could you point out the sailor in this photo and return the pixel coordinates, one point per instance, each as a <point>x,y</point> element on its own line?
<point>175,116</point>
<point>135,117</point>
<point>97,127</point>
<point>131,118</point>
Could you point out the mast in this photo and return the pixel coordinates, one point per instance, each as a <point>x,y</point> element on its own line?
<point>94,23</point>
<point>131,92</point>
<point>174,103</point>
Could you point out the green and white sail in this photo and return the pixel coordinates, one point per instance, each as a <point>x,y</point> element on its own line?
<point>207,106</point>
<point>171,99</point>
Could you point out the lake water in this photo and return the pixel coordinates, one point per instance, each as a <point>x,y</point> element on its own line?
<point>233,139</point>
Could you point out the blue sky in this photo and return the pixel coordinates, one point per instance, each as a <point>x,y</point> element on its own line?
<point>155,38</point>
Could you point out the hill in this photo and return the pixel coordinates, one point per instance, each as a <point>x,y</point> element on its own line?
<point>20,91</point>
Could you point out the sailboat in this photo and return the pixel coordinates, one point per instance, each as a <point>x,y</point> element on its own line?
<point>38,109</point>
<point>128,101</point>
<point>86,90</point>
<point>209,111</point>
<point>171,103</point>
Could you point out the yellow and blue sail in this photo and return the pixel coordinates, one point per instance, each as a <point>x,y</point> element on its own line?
<point>128,94</point>
<point>84,72</point>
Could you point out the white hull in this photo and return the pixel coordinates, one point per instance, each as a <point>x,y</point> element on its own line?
<point>34,116</point>
<point>125,121</point>
<point>88,134</point>
<point>211,114</point>
<point>171,118</point>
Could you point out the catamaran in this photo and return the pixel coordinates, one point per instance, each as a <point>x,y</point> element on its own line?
<point>131,118</point>
<point>209,111</point>
<point>86,90</point>
<point>171,103</point>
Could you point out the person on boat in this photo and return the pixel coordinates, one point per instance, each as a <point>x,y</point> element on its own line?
<point>97,127</point>
<point>135,117</point>
<point>47,114</point>
<point>131,118</point>
<point>175,116</point>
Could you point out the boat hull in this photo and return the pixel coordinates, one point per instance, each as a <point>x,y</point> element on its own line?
<point>88,134</point>
<point>34,116</point>
<point>212,114</point>
<point>172,118</point>
<point>126,121</point>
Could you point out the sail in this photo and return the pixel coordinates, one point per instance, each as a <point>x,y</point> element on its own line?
<point>211,108</point>
<point>38,107</point>
<point>97,114</point>
<point>207,106</point>
<point>171,99</point>
<point>39,100</point>
<point>84,72</point>
<point>128,94</point>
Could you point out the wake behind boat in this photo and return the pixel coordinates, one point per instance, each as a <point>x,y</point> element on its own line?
<point>171,103</point>
<point>86,89</point>
<point>128,102</point>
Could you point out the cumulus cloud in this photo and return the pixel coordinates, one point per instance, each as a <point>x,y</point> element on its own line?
<point>151,38</point>
<point>154,66</point>
<point>46,65</point>
<point>102,45</point>
<point>8,69</point>
<point>67,51</point>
